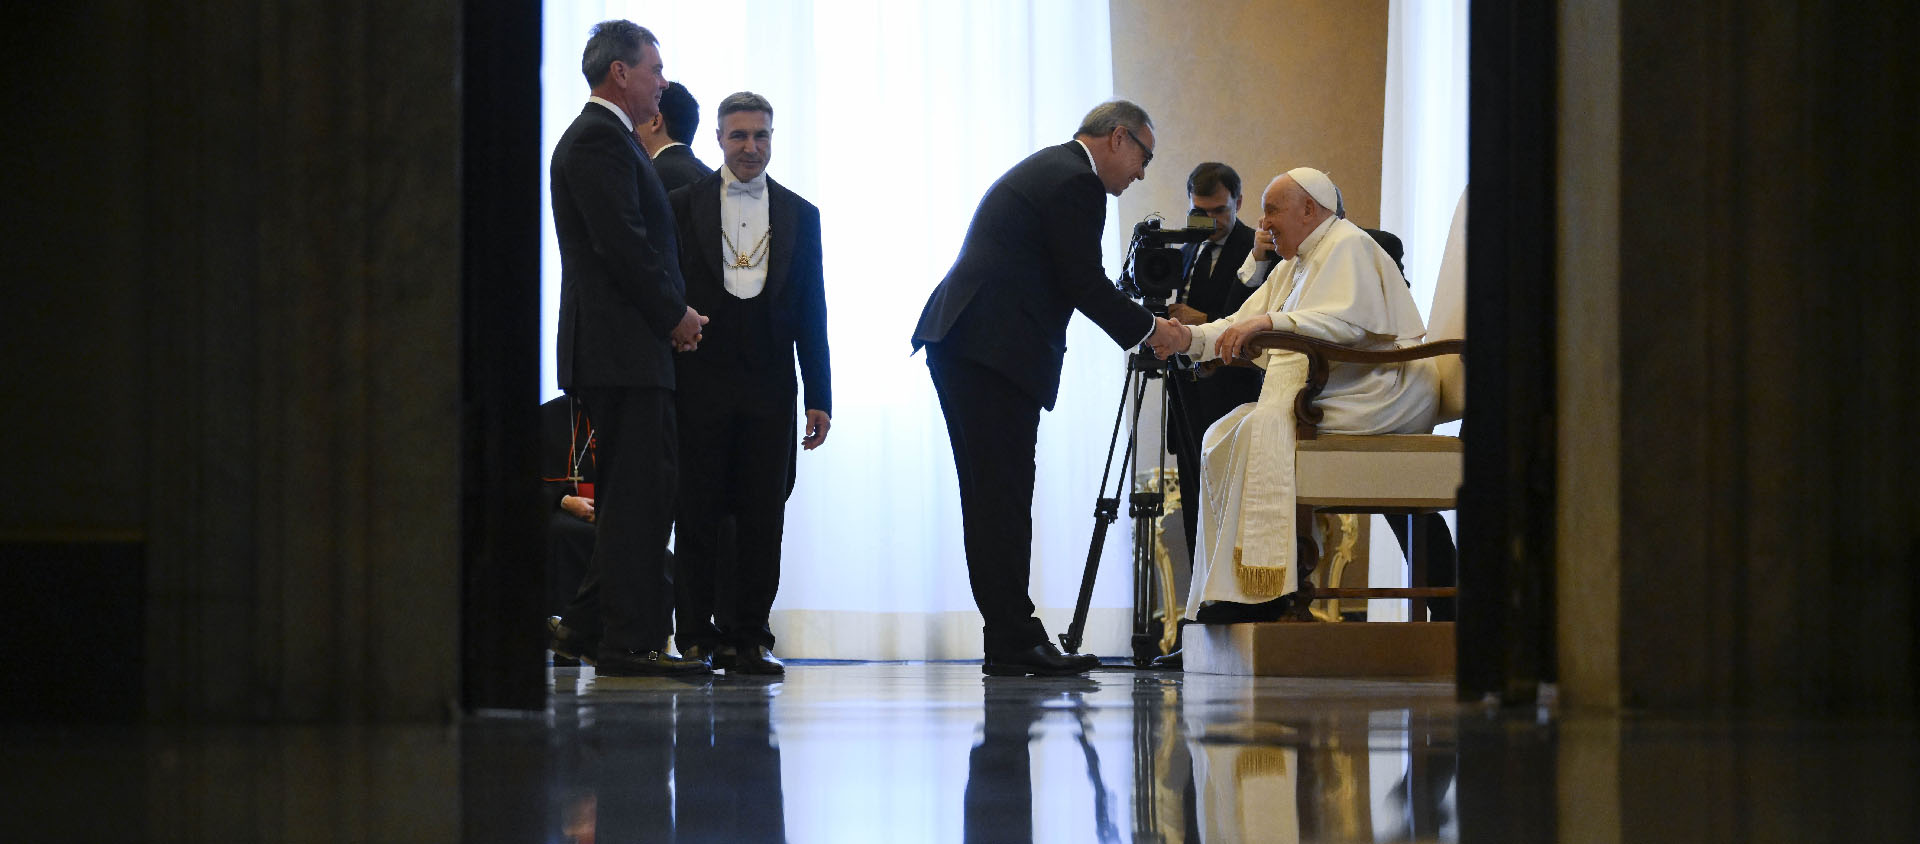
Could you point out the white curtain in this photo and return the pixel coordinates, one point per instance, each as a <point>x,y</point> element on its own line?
<point>893,118</point>
<point>1424,150</point>
<point>1423,170</point>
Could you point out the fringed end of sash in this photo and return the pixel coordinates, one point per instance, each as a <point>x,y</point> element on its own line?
<point>1260,762</point>
<point>1259,581</point>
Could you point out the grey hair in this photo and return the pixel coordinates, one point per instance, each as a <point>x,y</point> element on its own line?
<point>1112,114</point>
<point>743,101</point>
<point>613,41</point>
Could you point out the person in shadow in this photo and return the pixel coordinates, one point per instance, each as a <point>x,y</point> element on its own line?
<point>567,473</point>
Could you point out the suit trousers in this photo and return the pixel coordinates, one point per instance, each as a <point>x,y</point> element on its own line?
<point>993,426</point>
<point>1441,556</point>
<point>626,600</point>
<point>736,447</point>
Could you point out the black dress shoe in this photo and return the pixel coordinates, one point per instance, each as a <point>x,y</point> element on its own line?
<point>1042,660</point>
<point>755,659</point>
<point>1170,662</point>
<point>1229,612</point>
<point>707,652</point>
<point>568,643</point>
<point>616,662</point>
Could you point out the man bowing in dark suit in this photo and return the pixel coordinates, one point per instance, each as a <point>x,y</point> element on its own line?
<point>750,252</point>
<point>666,136</point>
<point>623,313</point>
<point>995,331</point>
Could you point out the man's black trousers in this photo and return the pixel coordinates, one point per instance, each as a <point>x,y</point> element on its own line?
<point>736,453</point>
<point>627,597</point>
<point>993,426</point>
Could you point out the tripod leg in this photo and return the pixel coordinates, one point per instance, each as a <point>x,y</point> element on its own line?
<point>1105,511</point>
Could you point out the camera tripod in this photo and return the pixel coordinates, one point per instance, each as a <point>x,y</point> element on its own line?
<point>1145,508</point>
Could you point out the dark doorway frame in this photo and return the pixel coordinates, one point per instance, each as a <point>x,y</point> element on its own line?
<point>1505,644</point>
<point>1506,620</point>
<point>501,547</point>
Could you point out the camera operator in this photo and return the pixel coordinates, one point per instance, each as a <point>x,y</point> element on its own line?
<point>995,333</point>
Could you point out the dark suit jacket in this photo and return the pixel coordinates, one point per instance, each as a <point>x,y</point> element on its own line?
<point>796,285</point>
<point>679,167</point>
<point>620,287</point>
<point>1218,296</point>
<point>1031,257</point>
<point>1220,293</point>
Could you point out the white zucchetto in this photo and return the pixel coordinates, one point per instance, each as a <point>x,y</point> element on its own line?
<point>1318,186</point>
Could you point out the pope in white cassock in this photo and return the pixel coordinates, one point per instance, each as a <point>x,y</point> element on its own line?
<point>1334,283</point>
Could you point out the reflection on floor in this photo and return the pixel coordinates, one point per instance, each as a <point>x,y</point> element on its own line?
<point>936,752</point>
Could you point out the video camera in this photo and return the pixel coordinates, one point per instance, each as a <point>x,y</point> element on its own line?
<point>1152,270</point>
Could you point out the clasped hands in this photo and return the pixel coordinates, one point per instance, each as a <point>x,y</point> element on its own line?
<point>686,336</point>
<point>1169,338</point>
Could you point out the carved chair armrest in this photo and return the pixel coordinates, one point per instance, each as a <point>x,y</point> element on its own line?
<point>1320,353</point>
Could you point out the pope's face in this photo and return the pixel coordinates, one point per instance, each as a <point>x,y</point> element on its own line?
<point>746,142</point>
<point>1287,212</point>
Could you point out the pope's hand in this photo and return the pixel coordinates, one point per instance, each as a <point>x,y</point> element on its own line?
<point>1263,245</point>
<point>1233,341</point>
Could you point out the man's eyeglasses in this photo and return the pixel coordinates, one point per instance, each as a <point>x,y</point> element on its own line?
<point>1143,147</point>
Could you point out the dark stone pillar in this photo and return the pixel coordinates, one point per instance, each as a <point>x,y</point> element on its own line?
<point>1768,302</point>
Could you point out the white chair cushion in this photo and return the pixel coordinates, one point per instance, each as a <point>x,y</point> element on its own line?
<point>1385,470</point>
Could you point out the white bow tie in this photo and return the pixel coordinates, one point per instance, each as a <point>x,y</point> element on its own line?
<point>754,188</point>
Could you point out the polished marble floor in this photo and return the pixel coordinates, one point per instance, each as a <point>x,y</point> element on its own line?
<point>918,752</point>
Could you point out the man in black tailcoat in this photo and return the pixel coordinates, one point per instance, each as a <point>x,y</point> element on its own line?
<point>750,253</point>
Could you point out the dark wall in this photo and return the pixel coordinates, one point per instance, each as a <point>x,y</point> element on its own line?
<point>234,347</point>
<point>1770,544</point>
<point>70,330</point>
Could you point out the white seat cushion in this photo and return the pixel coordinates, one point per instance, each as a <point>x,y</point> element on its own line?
<point>1386,470</point>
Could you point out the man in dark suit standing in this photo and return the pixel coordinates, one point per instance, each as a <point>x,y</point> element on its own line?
<point>750,253</point>
<point>623,313</point>
<point>995,333</point>
<point>1213,289</point>
<point>667,135</point>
